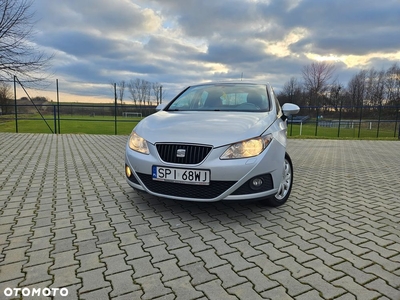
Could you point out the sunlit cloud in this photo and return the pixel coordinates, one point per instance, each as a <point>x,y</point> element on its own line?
<point>281,48</point>
<point>353,61</point>
<point>180,42</point>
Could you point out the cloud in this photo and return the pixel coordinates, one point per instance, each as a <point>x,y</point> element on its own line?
<point>180,42</point>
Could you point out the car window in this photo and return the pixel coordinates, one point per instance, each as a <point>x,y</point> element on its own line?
<point>223,97</point>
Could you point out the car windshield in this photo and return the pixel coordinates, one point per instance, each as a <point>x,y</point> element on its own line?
<point>222,97</point>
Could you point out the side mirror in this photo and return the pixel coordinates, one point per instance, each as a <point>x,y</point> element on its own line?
<point>290,109</point>
<point>161,106</point>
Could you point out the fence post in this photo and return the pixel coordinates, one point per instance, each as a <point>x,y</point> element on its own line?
<point>379,119</point>
<point>55,118</point>
<point>395,124</point>
<point>316,123</point>
<point>115,110</point>
<point>340,117</point>
<point>15,104</point>
<point>58,108</point>
<point>359,123</point>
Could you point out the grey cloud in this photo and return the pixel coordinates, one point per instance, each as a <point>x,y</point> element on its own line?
<point>174,41</point>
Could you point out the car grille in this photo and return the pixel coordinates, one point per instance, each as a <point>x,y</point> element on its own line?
<point>214,189</point>
<point>194,154</point>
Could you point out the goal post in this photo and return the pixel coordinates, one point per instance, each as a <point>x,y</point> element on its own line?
<point>131,114</point>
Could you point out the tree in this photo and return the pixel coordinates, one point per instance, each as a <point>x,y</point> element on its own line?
<point>334,97</point>
<point>157,90</point>
<point>5,98</point>
<point>392,85</point>
<point>121,90</point>
<point>140,90</point>
<point>375,86</point>
<point>317,78</point>
<point>17,55</point>
<point>356,88</point>
<point>291,92</point>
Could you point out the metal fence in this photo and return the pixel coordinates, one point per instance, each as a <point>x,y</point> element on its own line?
<point>342,122</point>
<point>73,118</point>
<point>347,122</point>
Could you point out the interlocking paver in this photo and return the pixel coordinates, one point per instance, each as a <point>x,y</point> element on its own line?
<point>198,273</point>
<point>153,287</point>
<point>116,264</point>
<point>293,286</point>
<point>237,261</point>
<point>182,289</point>
<point>65,276</point>
<point>122,283</point>
<point>68,219</point>
<point>143,267</point>
<point>214,290</point>
<point>268,267</point>
<point>185,256</point>
<point>328,273</point>
<point>272,253</point>
<point>260,281</point>
<point>245,291</point>
<point>297,270</point>
<point>382,287</point>
<point>359,291</point>
<point>228,277</point>
<point>388,264</point>
<point>36,274</point>
<point>90,261</point>
<point>327,290</point>
<point>170,270</point>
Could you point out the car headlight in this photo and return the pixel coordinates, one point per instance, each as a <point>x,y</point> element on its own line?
<point>137,143</point>
<point>247,148</point>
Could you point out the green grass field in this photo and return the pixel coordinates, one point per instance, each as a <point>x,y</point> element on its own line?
<point>75,124</point>
<point>386,131</point>
<point>106,125</point>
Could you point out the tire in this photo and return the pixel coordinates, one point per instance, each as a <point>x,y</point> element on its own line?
<point>285,186</point>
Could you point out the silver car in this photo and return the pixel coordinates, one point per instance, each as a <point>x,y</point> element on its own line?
<point>214,142</point>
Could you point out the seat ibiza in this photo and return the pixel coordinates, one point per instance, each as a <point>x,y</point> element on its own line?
<point>214,141</point>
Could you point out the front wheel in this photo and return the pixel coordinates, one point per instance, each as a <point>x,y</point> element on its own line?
<point>285,186</point>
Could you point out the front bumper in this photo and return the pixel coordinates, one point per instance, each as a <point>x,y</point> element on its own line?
<point>230,179</point>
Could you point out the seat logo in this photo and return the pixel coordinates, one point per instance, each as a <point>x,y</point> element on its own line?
<point>181,153</point>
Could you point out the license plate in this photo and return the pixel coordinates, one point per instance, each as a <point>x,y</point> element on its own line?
<point>188,176</point>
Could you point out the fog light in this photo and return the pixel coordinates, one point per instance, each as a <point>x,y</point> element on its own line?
<point>256,183</point>
<point>128,171</point>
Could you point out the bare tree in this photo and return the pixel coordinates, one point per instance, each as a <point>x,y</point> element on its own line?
<point>157,90</point>
<point>392,85</point>
<point>5,98</point>
<point>18,56</point>
<point>121,90</point>
<point>375,86</point>
<point>132,90</point>
<point>356,88</point>
<point>316,78</point>
<point>140,90</point>
<point>334,96</point>
<point>292,92</point>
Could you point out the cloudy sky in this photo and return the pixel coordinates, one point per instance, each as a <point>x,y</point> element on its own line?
<point>181,42</point>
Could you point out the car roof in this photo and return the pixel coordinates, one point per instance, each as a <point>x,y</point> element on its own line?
<point>229,83</point>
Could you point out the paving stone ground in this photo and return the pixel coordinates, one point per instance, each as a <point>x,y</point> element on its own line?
<point>68,220</point>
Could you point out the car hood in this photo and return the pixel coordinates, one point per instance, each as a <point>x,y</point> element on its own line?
<point>207,127</point>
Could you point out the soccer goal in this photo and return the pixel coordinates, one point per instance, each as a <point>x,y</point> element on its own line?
<point>131,114</point>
